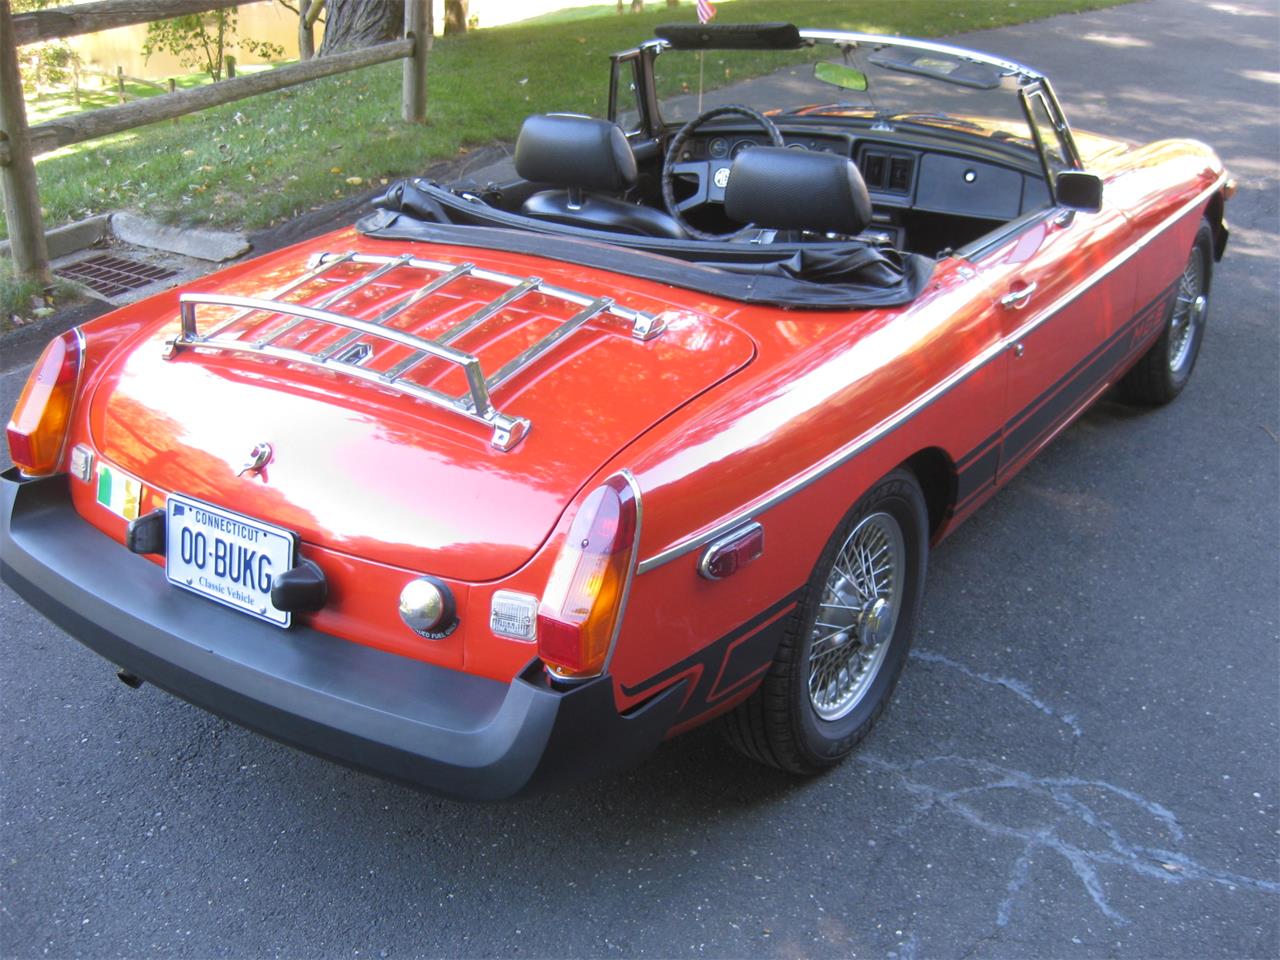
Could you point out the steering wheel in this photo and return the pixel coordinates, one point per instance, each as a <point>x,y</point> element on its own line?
<point>712,175</point>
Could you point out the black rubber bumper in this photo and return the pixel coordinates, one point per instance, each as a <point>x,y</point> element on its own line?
<point>434,728</point>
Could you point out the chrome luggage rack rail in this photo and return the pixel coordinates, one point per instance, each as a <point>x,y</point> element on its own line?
<point>345,354</point>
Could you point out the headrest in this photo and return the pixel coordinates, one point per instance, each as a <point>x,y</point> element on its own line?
<point>578,152</point>
<point>782,189</point>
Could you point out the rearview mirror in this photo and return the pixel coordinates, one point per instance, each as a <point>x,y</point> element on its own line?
<point>838,75</point>
<point>1079,190</point>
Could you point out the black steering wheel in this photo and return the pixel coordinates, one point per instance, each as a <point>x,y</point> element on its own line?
<point>712,175</point>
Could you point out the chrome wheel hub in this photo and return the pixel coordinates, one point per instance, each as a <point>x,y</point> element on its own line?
<point>1188,313</point>
<point>856,616</point>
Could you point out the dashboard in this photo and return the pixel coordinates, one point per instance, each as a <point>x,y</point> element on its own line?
<point>899,176</point>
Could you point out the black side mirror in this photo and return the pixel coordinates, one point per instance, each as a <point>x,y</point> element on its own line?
<point>1078,190</point>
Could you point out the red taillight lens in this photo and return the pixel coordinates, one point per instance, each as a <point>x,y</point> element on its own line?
<point>37,431</point>
<point>580,608</point>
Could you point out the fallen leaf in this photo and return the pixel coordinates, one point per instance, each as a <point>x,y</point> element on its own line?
<point>355,181</point>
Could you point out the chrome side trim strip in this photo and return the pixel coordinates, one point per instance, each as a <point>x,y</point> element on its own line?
<point>856,446</point>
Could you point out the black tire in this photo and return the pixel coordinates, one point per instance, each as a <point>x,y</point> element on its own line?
<point>1165,369</point>
<point>780,724</point>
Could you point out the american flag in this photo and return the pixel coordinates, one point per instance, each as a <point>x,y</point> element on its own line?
<point>706,10</point>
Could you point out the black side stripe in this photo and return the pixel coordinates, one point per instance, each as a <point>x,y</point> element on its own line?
<point>724,666</point>
<point>1043,414</point>
<point>729,663</point>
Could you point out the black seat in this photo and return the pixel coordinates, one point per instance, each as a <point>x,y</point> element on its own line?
<point>782,189</point>
<point>589,162</point>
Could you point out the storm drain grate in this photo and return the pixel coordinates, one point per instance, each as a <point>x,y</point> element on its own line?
<point>112,276</point>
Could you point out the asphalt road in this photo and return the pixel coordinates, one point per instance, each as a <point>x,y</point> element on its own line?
<point>1082,759</point>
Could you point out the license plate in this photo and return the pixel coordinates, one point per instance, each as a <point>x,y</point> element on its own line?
<point>227,557</point>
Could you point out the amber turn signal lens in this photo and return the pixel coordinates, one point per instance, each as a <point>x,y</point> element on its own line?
<point>583,600</point>
<point>37,431</point>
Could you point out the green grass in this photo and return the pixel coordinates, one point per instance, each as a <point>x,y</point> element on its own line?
<point>266,159</point>
<point>22,301</point>
<point>51,106</point>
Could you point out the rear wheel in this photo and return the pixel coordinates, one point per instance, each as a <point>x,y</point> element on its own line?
<point>848,640</point>
<point>1165,369</point>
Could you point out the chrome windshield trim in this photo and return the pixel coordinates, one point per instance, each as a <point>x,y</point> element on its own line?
<point>977,56</point>
<point>1011,67</point>
<point>846,453</point>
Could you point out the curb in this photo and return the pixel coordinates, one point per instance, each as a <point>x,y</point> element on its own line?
<point>70,238</point>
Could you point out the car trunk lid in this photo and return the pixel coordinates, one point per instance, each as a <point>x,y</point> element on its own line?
<point>360,461</point>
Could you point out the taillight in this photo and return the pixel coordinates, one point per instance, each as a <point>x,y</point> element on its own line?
<point>38,429</point>
<point>584,596</point>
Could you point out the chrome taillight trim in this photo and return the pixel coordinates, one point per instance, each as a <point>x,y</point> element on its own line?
<point>632,568</point>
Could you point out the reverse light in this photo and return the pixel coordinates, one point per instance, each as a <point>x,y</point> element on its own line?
<point>587,589</point>
<point>37,432</point>
<point>514,615</point>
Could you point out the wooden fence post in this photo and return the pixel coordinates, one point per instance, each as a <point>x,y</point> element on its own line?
<point>18,177</point>
<point>120,84</point>
<point>419,28</point>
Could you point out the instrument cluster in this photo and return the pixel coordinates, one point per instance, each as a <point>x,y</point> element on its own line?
<point>727,146</point>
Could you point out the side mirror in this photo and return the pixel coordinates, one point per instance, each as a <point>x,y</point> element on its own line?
<point>1079,190</point>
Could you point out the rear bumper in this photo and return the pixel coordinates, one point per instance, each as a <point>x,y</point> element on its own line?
<point>445,731</point>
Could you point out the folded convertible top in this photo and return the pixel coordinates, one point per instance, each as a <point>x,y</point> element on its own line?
<point>814,276</point>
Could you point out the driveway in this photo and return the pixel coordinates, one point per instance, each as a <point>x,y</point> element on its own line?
<point>1082,758</point>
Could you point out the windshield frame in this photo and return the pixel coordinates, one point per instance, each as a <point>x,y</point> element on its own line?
<point>643,57</point>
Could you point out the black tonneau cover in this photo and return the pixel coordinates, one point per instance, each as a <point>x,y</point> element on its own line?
<point>814,276</point>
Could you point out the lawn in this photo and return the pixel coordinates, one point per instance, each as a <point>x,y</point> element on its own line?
<point>266,159</point>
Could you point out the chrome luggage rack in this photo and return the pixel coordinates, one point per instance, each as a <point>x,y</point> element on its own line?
<point>346,353</point>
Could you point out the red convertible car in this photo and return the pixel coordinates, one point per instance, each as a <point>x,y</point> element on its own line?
<point>512,480</point>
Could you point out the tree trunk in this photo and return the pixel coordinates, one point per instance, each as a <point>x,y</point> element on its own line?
<point>352,24</point>
<point>306,36</point>
<point>455,17</point>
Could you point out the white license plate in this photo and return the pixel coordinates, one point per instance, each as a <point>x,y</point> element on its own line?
<point>227,557</point>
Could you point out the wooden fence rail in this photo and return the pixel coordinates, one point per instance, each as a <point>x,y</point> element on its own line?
<point>58,22</point>
<point>20,144</point>
<point>117,76</point>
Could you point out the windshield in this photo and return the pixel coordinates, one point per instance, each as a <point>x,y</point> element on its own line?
<point>887,85</point>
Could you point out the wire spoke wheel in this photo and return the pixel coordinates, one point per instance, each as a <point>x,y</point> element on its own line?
<point>1189,309</point>
<point>1160,374</point>
<point>856,616</point>
<point>841,651</point>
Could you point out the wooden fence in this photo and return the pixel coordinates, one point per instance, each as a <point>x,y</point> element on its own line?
<point>20,144</point>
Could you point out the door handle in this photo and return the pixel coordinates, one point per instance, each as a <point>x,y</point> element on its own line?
<point>1017,299</point>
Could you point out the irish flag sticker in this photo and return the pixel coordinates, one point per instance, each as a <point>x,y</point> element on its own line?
<point>118,492</point>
